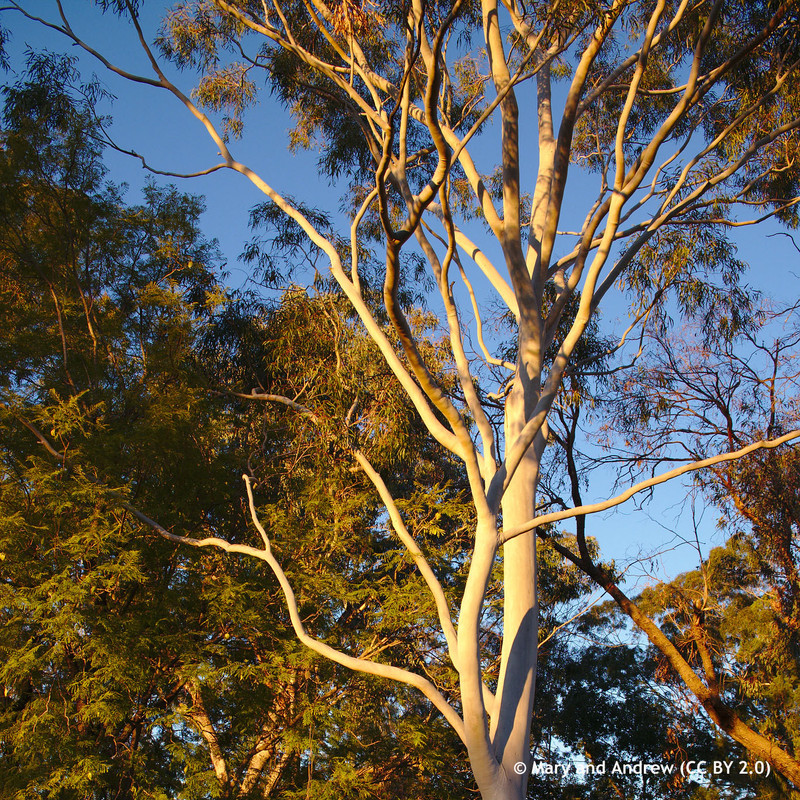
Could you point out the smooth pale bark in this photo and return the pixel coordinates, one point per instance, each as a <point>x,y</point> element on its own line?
<point>517,681</point>
<point>517,684</point>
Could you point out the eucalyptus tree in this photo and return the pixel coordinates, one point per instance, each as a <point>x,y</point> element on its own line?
<point>685,117</point>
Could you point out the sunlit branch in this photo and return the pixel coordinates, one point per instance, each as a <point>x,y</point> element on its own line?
<point>722,136</point>
<point>408,541</point>
<point>431,57</point>
<point>604,505</point>
<point>489,358</point>
<point>710,699</point>
<point>476,182</point>
<point>641,66</point>
<point>41,438</point>
<point>429,383</point>
<point>567,127</point>
<point>434,586</point>
<point>326,69</point>
<point>337,656</point>
<point>694,91</point>
<point>465,377</point>
<point>730,223</point>
<point>368,200</point>
<point>594,94</point>
<point>445,437</point>
<point>399,526</point>
<point>346,58</point>
<point>265,554</point>
<point>489,270</point>
<point>474,706</point>
<point>499,97</point>
<point>566,285</point>
<point>545,171</point>
<point>672,214</point>
<point>465,447</point>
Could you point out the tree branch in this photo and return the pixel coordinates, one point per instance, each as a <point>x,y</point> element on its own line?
<point>604,505</point>
<point>351,662</point>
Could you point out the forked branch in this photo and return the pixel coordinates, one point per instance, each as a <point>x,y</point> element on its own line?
<point>337,656</point>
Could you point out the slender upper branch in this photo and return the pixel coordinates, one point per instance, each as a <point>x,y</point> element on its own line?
<point>351,662</point>
<point>604,505</point>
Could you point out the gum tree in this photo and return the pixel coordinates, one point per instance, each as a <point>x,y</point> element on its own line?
<point>676,120</point>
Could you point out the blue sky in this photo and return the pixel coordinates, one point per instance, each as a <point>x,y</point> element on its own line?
<point>153,123</point>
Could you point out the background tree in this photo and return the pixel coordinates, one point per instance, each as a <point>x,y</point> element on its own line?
<point>688,117</point>
<point>733,617</point>
<point>101,303</point>
<point>138,671</point>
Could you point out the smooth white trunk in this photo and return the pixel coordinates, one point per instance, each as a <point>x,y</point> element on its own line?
<point>511,724</point>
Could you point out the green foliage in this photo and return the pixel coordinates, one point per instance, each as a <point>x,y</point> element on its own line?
<point>130,664</point>
<point>728,609</point>
<point>101,305</point>
<point>327,119</point>
<point>741,605</point>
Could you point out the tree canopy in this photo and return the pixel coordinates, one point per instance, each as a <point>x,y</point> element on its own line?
<point>134,670</point>
<point>625,142</point>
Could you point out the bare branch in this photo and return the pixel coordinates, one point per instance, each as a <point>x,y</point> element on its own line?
<point>351,662</point>
<point>604,505</point>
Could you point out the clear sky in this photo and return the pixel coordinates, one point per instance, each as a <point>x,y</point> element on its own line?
<point>155,124</point>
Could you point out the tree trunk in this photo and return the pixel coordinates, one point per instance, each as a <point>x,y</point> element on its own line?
<point>511,722</point>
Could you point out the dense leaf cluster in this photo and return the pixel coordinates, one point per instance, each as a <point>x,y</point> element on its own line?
<point>134,668</point>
